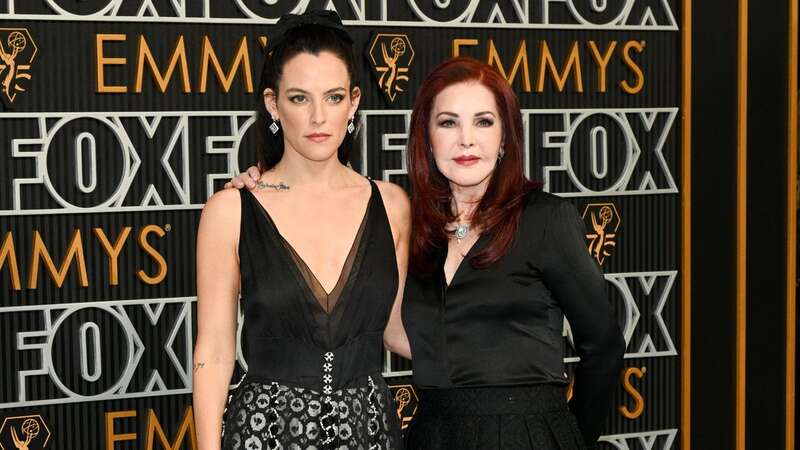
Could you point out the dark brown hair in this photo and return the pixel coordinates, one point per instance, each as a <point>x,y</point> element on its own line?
<point>305,38</point>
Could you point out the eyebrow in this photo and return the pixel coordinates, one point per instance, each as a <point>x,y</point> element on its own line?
<point>329,91</point>
<point>482,113</point>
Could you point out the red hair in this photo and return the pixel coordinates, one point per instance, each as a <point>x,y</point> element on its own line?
<point>499,209</point>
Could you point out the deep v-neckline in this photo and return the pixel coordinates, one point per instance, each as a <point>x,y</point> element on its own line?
<point>288,250</point>
<point>466,257</point>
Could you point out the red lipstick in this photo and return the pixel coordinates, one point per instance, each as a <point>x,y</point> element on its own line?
<point>466,160</point>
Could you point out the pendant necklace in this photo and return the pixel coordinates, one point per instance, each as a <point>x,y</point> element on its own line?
<point>461,231</point>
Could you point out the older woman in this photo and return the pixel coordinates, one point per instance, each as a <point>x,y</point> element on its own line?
<point>495,265</point>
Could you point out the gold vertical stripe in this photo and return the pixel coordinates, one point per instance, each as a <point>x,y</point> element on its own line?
<point>791,228</point>
<point>686,230</point>
<point>741,231</point>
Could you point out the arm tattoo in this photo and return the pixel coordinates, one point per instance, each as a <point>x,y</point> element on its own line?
<point>198,366</point>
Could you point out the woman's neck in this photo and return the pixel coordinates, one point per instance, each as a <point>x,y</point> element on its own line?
<point>296,171</point>
<point>466,199</point>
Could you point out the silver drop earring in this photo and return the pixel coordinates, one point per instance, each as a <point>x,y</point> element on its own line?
<point>501,154</point>
<point>274,126</point>
<point>351,126</point>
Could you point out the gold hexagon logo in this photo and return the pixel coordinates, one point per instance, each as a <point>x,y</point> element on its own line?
<point>24,433</point>
<point>17,52</point>
<point>406,398</point>
<point>390,56</point>
<point>604,221</point>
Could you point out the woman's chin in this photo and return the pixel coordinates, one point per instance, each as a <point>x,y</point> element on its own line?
<point>468,179</point>
<point>319,154</point>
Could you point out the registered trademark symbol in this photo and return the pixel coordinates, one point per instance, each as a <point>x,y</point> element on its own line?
<point>167,227</point>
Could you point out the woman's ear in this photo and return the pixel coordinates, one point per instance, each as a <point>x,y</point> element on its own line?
<point>355,99</point>
<point>271,103</point>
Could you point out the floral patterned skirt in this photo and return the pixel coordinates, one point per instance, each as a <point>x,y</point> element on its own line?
<point>269,416</point>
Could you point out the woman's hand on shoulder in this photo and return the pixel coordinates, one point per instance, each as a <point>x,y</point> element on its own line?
<point>248,178</point>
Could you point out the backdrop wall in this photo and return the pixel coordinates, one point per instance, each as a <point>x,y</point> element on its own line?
<point>122,117</point>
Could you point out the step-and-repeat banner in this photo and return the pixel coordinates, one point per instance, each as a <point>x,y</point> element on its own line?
<point>121,117</point>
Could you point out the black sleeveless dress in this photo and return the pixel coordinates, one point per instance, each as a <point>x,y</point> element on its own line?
<point>314,358</point>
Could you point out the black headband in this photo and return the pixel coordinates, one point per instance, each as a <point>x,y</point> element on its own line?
<point>322,18</point>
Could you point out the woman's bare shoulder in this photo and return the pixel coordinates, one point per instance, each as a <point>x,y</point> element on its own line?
<point>223,209</point>
<point>398,208</point>
<point>394,197</point>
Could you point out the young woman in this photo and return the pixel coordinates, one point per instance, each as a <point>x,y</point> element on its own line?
<point>495,266</point>
<point>318,254</point>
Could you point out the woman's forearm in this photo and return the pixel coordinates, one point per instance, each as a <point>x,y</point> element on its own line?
<point>210,394</point>
<point>395,338</point>
<point>396,341</point>
<point>217,294</point>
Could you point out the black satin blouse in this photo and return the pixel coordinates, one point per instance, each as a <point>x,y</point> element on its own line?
<point>502,325</point>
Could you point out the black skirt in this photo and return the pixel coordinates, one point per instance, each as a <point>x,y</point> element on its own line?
<point>518,418</point>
